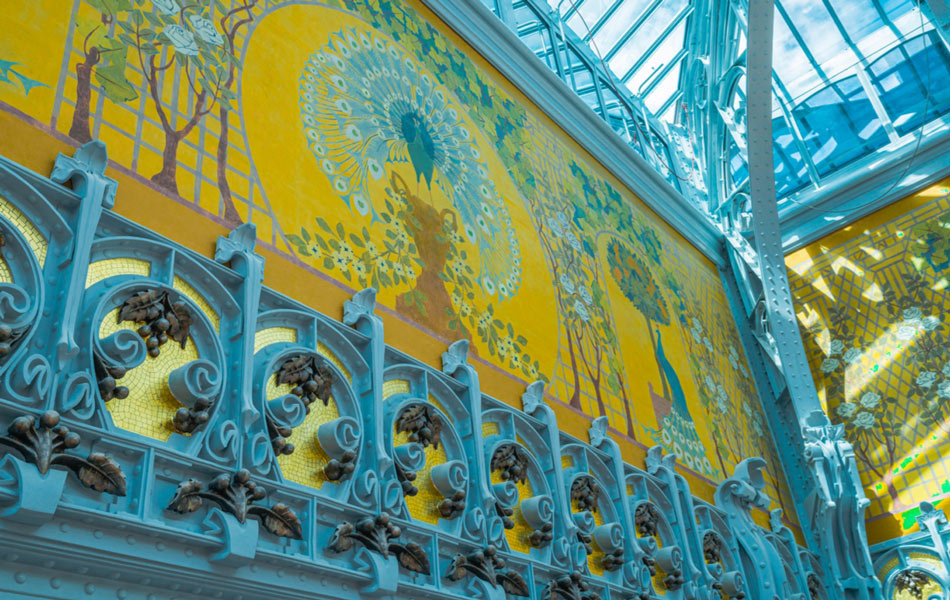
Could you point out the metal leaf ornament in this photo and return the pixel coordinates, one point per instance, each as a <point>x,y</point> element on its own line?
<point>311,381</point>
<point>44,445</point>
<point>163,318</point>
<point>487,566</point>
<point>237,494</point>
<point>422,423</point>
<point>376,534</point>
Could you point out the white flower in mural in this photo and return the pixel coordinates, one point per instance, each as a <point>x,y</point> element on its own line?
<point>870,400</point>
<point>926,379</point>
<point>707,465</point>
<point>206,30</point>
<point>846,409</point>
<point>697,335</point>
<point>566,284</point>
<point>563,219</point>
<point>688,460</point>
<point>708,343</point>
<point>182,39</point>
<point>721,393</point>
<point>943,390</point>
<point>573,241</point>
<point>667,437</point>
<point>733,357</point>
<point>836,347</point>
<point>757,428</point>
<point>864,420</point>
<point>906,332</point>
<point>585,295</point>
<point>829,365</point>
<point>743,372</point>
<point>581,311</point>
<point>710,383</point>
<point>167,7</point>
<point>946,370</point>
<point>697,325</point>
<point>930,322</point>
<point>912,314</point>
<point>852,355</point>
<point>555,228</point>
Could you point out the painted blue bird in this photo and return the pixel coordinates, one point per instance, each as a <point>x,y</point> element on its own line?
<point>367,105</point>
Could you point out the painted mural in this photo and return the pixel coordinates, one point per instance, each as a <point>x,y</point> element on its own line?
<point>367,142</point>
<point>886,375</point>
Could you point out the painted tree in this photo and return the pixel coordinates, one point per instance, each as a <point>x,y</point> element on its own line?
<point>164,37</point>
<point>637,284</point>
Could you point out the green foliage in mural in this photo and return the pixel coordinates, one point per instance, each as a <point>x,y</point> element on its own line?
<point>876,421</point>
<point>931,242</point>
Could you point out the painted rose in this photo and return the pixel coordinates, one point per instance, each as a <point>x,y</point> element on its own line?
<point>697,335</point>
<point>710,383</point>
<point>836,347</point>
<point>926,379</point>
<point>864,420</point>
<point>555,228</point>
<point>846,409</point>
<point>585,295</point>
<point>870,400</point>
<point>573,241</point>
<point>906,332</point>
<point>943,390</point>
<point>929,322</point>
<point>206,30</point>
<point>946,370</point>
<point>852,355</point>
<point>182,39</point>
<point>829,365</point>
<point>581,311</point>
<point>708,344</point>
<point>912,314</point>
<point>566,284</point>
<point>166,7</point>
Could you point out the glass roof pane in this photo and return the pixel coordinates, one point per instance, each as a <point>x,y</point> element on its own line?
<point>623,17</point>
<point>838,124</point>
<point>665,88</point>
<point>636,46</point>
<point>659,59</point>
<point>903,76</point>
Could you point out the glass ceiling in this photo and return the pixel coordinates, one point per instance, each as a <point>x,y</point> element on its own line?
<point>851,77</point>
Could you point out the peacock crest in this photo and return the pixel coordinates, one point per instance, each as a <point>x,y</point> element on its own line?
<point>366,105</point>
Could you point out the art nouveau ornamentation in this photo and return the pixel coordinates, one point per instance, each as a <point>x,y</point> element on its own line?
<point>193,389</point>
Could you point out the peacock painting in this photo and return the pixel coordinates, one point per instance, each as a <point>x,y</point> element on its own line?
<point>367,107</point>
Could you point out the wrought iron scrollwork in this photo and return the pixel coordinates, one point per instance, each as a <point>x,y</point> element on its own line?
<point>487,566</point>
<point>237,494</point>
<point>376,534</point>
<point>43,443</point>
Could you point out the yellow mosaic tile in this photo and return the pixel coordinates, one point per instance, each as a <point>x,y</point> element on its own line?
<point>192,294</point>
<point>305,465</point>
<point>567,461</point>
<point>150,405</point>
<point>518,536</point>
<point>437,404</point>
<point>274,335</point>
<point>328,354</point>
<point>110,267</point>
<point>395,386</point>
<point>5,275</point>
<point>489,428</point>
<point>33,236</point>
<point>424,506</point>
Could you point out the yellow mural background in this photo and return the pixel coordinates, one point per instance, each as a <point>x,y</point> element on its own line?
<point>279,190</point>
<point>884,375</point>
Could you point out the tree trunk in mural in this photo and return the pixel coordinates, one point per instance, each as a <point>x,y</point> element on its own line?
<point>626,406</point>
<point>166,178</point>
<point>231,215</point>
<point>575,401</point>
<point>79,129</point>
<point>433,253</point>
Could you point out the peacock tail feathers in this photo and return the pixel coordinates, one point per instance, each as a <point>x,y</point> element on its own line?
<point>366,104</point>
<point>677,434</point>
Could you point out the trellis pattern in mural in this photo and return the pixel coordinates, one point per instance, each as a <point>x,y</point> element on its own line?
<point>885,375</point>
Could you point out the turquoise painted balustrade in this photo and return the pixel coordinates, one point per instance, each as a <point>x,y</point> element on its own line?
<point>173,429</point>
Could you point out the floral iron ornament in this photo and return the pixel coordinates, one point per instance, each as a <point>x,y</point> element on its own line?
<point>569,587</point>
<point>163,319</point>
<point>236,494</point>
<point>44,445</point>
<point>486,565</point>
<point>376,535</point>
<point>311,382</point>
